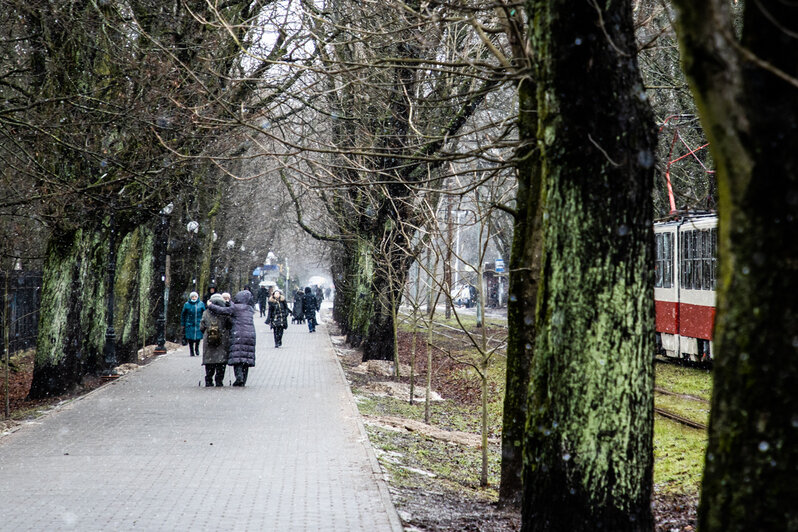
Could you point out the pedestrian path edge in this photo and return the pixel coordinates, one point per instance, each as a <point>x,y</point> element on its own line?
<point>376,469</point>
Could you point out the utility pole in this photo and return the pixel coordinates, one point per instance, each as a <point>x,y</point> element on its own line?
<point>447,263</point>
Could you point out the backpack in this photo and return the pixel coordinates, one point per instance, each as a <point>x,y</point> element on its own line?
<point>214,334</point>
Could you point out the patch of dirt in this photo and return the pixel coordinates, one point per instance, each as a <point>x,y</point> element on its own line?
<point>674,513</point>
<point>446,511</point>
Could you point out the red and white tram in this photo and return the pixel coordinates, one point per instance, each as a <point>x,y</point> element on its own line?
<point>684,289</point>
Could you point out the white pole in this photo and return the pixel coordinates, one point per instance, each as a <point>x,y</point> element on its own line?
<point>457,252</point>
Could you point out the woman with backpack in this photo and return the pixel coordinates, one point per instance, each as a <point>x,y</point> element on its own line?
<point>190,321</point>
<point>278,316</point>
<point>216,330</point>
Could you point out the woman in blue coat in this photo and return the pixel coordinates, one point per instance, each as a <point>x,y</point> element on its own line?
<point>190,320</point>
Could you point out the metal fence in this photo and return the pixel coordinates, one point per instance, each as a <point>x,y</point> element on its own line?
<point>24,298</point>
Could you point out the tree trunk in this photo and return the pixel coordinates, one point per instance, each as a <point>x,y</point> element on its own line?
<point>361,274</point>
<point>72,315</point>
<point>387,285</point>
<point>524,267</point>
<point>588,452</point>
<point>133,315</point>
<point>749,111</point>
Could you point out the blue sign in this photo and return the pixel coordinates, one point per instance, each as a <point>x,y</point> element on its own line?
<point>499,265</point>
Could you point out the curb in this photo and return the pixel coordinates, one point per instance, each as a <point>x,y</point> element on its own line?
<point>378,473</point>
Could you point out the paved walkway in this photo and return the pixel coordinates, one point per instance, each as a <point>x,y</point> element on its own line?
<point>155,451</point>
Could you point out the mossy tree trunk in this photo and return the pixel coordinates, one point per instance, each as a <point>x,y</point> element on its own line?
<point>72,317</point>
<point>353,295</point>
<point>133,317</point>
<point>387,284</point>
<point>588,453</point>
<point>747,97</point>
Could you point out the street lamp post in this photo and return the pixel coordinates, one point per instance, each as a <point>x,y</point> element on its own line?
<point>230,267</point>
<point>162,245</point>
<point>193,228</point>
<point>109,350</point>
<point>241,267</point>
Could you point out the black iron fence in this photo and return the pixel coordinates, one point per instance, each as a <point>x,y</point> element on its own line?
<point>24,298</point>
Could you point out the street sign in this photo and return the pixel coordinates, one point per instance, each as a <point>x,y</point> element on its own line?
<point>499,265</point>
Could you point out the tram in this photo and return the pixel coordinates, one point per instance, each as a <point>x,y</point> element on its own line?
<point>684,289</point>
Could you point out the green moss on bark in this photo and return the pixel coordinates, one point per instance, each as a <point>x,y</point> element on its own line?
<point>588,455</point>
<point>72,315</point>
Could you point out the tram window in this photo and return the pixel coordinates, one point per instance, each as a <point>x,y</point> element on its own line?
<point>698,262</point>
<point>667,279</point>
<point>698,254</point>
<point>706,269</point>
<point>663,266</point>
<point>713,257</point>
<point>686,278</point>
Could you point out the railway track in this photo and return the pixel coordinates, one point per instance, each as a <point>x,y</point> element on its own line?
<point>680,419</point>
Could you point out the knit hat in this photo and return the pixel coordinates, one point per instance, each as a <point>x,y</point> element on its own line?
<point>193,295</point>
<point>217,299</point>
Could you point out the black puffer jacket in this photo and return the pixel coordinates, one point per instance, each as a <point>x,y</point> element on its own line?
<point>278,312</point>
<point>298,313</point>
<point>242,337</point>
<point>309,305</point>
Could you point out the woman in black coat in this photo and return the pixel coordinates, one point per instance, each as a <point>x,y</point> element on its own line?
<point>242,337</point>
<point>278,316</point>
<point>263,299</point>
<point>299,314</point>
<point>309,306</point>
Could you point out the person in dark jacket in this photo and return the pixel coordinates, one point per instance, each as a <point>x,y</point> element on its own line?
<point>211,291</point>
<point>297,312</point>
<point>278,316</point>
<point>216,344</point>
<point>263,298</point>
<point>309,306</point>
<point>190,321</point>
<point>319,296</point>
<point>242,337</point>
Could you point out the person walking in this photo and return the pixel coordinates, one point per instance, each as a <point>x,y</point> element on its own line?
<point>242,336</point>
<point>216,344</point>
<point>263,298</point>
<point>278,316</point>
<point>319,296</point>
<point>190,319</point>
<point>309,306</point>
<point>297,312</point>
